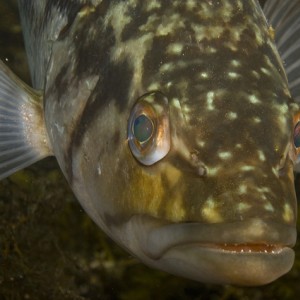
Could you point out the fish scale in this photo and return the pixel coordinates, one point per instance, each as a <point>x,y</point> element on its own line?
<point>173,123</point>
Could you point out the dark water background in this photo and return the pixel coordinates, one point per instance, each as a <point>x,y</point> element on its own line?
<point>50,249</point>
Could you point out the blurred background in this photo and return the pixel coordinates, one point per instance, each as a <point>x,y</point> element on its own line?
<point>50,249</point>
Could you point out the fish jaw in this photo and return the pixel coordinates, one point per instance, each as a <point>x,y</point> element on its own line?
<point>248,253</point>
<point>213,265</point>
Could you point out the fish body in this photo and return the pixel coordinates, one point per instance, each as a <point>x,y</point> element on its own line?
<point>173,124</point>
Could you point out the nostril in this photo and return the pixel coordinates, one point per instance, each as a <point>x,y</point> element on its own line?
<point>201,171</point>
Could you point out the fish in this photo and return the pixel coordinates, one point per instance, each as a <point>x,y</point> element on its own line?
<point>176,124</point>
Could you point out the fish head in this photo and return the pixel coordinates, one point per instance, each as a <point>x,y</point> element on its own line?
<point>185,150</point>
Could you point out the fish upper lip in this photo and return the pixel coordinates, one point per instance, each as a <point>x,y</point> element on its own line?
<point>247,236</point>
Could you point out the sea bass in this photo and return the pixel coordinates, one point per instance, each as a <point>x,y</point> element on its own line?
<point>175,123</point>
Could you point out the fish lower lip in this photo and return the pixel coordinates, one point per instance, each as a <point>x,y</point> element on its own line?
<point>244,264</point>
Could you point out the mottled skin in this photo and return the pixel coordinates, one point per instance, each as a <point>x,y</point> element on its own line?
<point>230,114</point>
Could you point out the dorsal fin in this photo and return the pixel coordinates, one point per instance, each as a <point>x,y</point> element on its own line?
<point>284,17</point>
<point>42,21</point>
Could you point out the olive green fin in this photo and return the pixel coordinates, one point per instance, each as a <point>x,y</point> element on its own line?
<point>23,137</point>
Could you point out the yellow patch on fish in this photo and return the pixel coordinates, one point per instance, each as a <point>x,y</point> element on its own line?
<point>210,212</point>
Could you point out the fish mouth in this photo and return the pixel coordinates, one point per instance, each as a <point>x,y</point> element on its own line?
<point>243,248</point>
<point>250,252</point>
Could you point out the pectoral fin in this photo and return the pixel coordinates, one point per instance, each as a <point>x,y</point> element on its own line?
<point>23,136</point>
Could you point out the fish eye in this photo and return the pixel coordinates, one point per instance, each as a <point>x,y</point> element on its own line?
<point>148,128</point>
<point>143,128</point>
<point>297,136</point>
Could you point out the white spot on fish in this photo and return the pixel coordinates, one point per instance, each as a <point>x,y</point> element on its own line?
<point>231,115</point>
<point>170,25</point>
<point>99,171</point>
<point>176,103</point>
<point>261,155</point>
<point>247,168</point>
<point>233,75</point>
<point>186,109</point>
<point>242,189</point>
<point>225,155</point>
<point>256,74</point>
<point>243,206</point>
<point>269,207</point>
<point>169,84</point>
<point>265,71</point>
<point>201,144</point>
<point>167,67</point>
<point>256,120</point>
<point>175,48</point>
<point>204,75</point>
<point>190,4</point>
<point>213,171</point>
<point>284,108</point>
<point>154,86</point>
<point>263,189</point>
<point>263,197</point>
<point>235,63</point>
<point>253,99</point>
<point>212,50</point>
<point>153,5</point>
<point>210,100</point>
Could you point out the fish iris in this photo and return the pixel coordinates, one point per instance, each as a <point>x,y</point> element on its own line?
<point>142,128</point>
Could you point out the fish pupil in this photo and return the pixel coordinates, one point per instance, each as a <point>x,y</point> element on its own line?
<point>297,135</point>
<point>142,128</point>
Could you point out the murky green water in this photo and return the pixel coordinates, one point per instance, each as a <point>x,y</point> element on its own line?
<point>50,249</point>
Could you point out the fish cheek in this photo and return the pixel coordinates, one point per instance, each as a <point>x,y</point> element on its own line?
<point>111,184</point>
<point>119,187</point>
